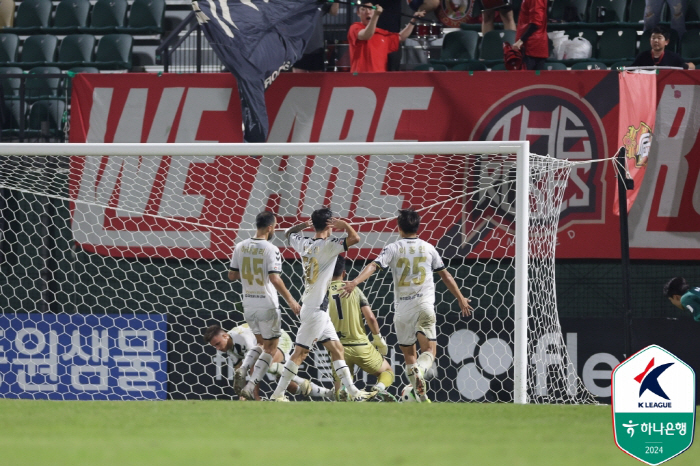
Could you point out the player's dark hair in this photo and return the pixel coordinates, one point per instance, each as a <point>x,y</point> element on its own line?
<point>320,218</point>
<point>663,31</point>
<point>409,221</point>
<point>339,267</point>
<point>264,219</point>
<point>211,332</point>
<point>675,286</point>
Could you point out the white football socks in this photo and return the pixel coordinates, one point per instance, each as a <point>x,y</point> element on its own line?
<point>251,357</point>
<point>261,368</point>
<point>425,361</point>
<point>289,372</point>
<point>342,371</point>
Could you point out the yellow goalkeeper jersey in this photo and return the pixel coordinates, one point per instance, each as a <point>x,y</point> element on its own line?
<point>346,314</point>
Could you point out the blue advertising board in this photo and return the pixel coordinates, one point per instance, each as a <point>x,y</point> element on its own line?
<point>83,357</point>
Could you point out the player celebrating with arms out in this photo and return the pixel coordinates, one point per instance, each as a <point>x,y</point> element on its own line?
<point>318,255</point>
<point>683,297</point>
<point>346,314</point>
<point>412,262</point>
<point>258,264</point>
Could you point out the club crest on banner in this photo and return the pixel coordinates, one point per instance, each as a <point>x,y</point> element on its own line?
<point>653,404</point>
<point>637,142</point>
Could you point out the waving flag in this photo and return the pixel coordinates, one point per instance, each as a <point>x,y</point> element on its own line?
<point>256,40</point>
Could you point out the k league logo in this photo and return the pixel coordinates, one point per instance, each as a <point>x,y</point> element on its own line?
<point>653,403</point>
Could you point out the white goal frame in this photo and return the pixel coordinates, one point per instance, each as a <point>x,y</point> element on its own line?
<point>520,148</point>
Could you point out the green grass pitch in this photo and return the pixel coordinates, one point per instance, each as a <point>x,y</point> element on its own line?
<point>210,433</point>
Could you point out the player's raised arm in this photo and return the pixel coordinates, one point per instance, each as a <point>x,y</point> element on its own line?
<point>281,288</point>
<point>454,289</point>
<point>364,275</point>
<point>297,228</point>
<point>353,237</point>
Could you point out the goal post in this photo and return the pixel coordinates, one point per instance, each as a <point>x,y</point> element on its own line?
<point>147,230</point>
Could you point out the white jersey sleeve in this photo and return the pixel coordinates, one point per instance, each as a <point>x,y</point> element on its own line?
<point>273,259</point>
<point>235,263</point>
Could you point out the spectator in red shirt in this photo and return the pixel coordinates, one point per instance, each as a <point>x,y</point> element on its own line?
<point>531,35</point>
<point>370,45</point>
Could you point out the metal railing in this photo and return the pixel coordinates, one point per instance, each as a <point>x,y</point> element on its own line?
<point>186,51</point>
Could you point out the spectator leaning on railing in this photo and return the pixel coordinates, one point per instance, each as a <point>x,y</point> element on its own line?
<point>658,55</point>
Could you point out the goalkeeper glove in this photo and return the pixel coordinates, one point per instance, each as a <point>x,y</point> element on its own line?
<point>380,343</point>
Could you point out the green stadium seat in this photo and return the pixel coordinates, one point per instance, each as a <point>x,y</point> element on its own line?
<point>77,70</point>
<point>635,12</point>
<point>38,50</point>
<point>10,85</point>
<point>145,17</point>
<point>45,119</point>
<point>617,44</point>
<point>614,10</point>
<point>75,50</point>
<point>621,64</point>
<point>499,67</point>
<point>589,65</point>
<point>32,15</point>
<point>70,16</point>
<point>568,10</point>
<point>430,67</point>
<point>692,14</point>
<point>38,86</point>
<point>9,43</point>
<point>690,45</point>
<point>459,45</point>
<point>554,65</point>
<point>113,52</point>
<point>106,17</point>
<point>10,126</point>
<point>470,66</point>
<point>492,44</point>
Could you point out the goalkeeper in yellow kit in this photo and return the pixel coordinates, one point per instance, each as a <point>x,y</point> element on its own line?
<point>347,314</point>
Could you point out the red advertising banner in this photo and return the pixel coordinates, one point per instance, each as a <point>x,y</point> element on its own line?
<point>572,115</point>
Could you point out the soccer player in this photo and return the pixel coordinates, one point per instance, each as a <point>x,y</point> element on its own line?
<point>240,341</point>
<point>318,255</point>
<point>412,262</point>
<point>346,314</point>
<point>258,264</point>
<point>683,297</point>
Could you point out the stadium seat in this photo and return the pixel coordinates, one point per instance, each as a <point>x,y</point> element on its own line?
<point>429,67</point>
<point>617,44</point>
<point>492,44</point>
<point>9,44</point>
<point>10,85</point>
<point>690,45</point>
<point>635,12</point>
<point>587,33</point>
<point>554,65</point>
<point>621,64</point>
<point>45,119</point>
<point>589,65</point>
<point>74,71</point>
<point>75,50</point>
<point>107,16</point>
<point>38,86</point>
<point>32,15</point>
<point>10,125</point>
<point>614,10</point>
<point>70,15</point>
<point>499,67</point>
<point>459,45</point>
<point>692,14</point>
<point>113,52</point>
<point>145,17</point>
<point>38,50</point>
<point>470,66</point>
<point>644,44</point>
<point>568,10</point>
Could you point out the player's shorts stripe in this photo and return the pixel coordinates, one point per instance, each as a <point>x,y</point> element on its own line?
<point>406,346</point>
<point>273,271</point>
<point>232,269</point>
<point>303,346</point>
<point>273,338</point>
<point>323,341</point>
<point>440,269</point>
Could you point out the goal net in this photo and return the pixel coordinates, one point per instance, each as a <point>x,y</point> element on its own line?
<point>114,259</point>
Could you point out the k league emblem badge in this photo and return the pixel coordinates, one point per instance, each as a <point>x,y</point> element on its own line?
<point>653,405</point>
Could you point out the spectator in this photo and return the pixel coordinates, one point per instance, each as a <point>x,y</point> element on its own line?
<point>652,14</point>
<point>531,34</point>
<point>390,20</point>
<point>313,59</point>
<point>370,45</point>
<point>658,55</point>
<point>7,13</point>
<point>488,16</point>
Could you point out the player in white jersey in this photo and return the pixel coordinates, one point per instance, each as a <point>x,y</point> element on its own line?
<point>412,262</point>
<point>258,264</point>
<point>318,255</point>
<point>238,342</point>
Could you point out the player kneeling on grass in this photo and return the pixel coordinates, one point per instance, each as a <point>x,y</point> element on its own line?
<point>318,256</point>
<point>412,262</point>
<point>683,297</point>
<point>346,314</point>
<point>239,344</point>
